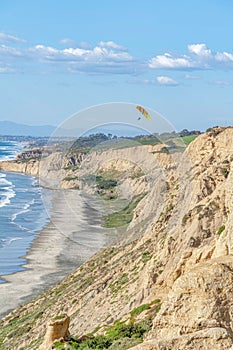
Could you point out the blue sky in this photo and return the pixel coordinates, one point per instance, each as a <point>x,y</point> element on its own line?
<point>176,57</point>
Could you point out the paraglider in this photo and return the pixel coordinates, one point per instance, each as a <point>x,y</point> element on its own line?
<point>144,113</point>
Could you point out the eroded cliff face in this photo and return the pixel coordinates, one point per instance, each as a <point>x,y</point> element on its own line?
<point>178,248</point>
<point>29,167</point>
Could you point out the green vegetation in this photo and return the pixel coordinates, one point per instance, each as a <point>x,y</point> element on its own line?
<point>221,229</point>
<point>186,217</point>
<point>138,310</point>
<point>124,216</point>
<point>18,326</point>
<point>225,172</point>
<point>105,183</point>
<point>148,140</point>
<point>117,285</point>
<point>120,336</point>
<point>170,207</point>
<point>102,141</point>
<point>146,256</point>
<point>90,141</point>
<point>59,317</point>
<point>71,167</point>
<point>188,139</point>
<point>70,178</point>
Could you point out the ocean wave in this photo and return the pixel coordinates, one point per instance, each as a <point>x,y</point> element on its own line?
<point>24,210</point>
<point>23,228</point>
<point>4,181</point>
<point>8,241</point>
<point>6,190</point>
<point>10,149</point>
<point>5,197</point>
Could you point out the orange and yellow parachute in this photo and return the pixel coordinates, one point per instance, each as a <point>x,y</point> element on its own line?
<point>144,112</point>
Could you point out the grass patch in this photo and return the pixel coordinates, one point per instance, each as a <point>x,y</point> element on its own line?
<point>188,139</point>
<point>105,183</point>
<point>18,326</point>
<point>117,285</point>
<point>120,336</point>
<point>70,178</point>
<point>221,229</point>
<point>138,310</point>
<point>59,317</point>
<point>122,217</point>
<point>146,256</point>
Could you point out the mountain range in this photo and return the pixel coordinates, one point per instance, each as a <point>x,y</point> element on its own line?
<point>16,129</point>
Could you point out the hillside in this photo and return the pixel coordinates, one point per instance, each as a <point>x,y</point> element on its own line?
<point>11,128</point>
<point>170,274</point>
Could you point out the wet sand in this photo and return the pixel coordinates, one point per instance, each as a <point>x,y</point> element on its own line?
<point>70,238</point>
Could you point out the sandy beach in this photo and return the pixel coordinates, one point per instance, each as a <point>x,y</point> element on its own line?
<point>70,238</point>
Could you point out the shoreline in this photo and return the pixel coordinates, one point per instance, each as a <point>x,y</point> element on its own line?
<point>72,235</point>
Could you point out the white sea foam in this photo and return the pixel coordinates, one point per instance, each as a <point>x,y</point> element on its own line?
<point>7,190</point>
<point>24,210</point>
<point>4,181</point>
<point>8,241</point>
<point>11,149</point>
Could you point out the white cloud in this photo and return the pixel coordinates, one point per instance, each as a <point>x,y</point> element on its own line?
<point>163,80</point>
<point>99,59</point>
<point>111,45</point>
<point>200,57</point>
<point>10,52</point>
<point>7,38</point>
<point>96,54</point>
<point>167,61</point>
<point>199,50</point>
<point>224,57</point>
<point>108,57</point>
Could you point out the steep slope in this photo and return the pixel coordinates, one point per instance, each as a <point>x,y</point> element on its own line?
<point>178,249</point>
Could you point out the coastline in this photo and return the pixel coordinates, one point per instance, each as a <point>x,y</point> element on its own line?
<point>72,235</point>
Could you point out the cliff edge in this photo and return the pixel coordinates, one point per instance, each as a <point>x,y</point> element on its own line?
<point>176,253</point>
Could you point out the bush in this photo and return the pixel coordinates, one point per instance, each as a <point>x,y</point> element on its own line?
<point>105,184</point>
<point>140,309</point>
<point>221,229</point>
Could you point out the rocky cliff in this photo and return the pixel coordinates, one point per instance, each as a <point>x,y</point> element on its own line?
<point>177,251</point>
<point>27,167</point>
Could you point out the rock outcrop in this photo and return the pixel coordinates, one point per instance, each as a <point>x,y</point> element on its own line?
<point>30,167</point>
<point>57,329</point>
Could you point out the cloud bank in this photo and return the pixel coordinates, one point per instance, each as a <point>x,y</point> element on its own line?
<point>106,57</point>
<point>199,57</point>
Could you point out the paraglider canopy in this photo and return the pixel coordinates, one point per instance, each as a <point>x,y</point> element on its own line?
<point>144,112</point>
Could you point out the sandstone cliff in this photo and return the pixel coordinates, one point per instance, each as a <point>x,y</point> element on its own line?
<point>178,249</point>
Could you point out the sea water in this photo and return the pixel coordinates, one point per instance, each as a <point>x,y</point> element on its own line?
<point>22,213</point>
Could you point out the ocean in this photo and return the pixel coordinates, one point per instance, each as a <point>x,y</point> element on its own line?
<point>22,213</point>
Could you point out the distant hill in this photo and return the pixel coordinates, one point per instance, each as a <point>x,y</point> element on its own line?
<point>15,129</point>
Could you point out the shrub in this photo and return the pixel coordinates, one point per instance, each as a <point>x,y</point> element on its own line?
<point>221,229</point>
<point>225,172</point>
<point>140,309</point>
<point>146,256</point>
<point>124,335</point>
